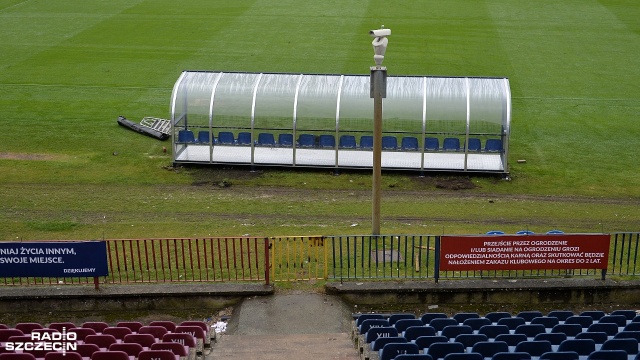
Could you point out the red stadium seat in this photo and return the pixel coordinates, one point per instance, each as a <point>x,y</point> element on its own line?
<point>86,350</point>
<point>118,332</point>
<point>5,334</point>
<point>103,341</point>
<point>14,356</point>
<point>82,333</point>
<point>133,325</point>
<point>26,328</point>
<point>132,349</point>
<point>146,340</point>
<point>69,355</point>
<point>109,355</point>
<point>62,325</point>
<point>97,326</point>
<point>156,355</point>
<point>177,349</point>
<point>157,331</point>
<point>169,325</point>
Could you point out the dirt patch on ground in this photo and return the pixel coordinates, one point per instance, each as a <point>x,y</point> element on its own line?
<point>454,183</point>
<point>222,177</point>
<point>23,156</point>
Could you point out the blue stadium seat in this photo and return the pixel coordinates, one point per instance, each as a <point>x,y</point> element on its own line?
<point>583,321</point>
<point>490,348</point>
<point>363,317</point>
<point>594,314</point>
<point>426,318</point>
<point>203,137</point>
<point>636,319</point>
<point>389,143</point>
<point>562,315</point>
<point>372,323</point>
<point>619,320</point>
<point>476,324</point>
<point>512,323</point>
<point>530,330</point>
<point>556,232</point>
<point>375,333</point>
<point>403,324</point>
<point>409,143</point>
<point>512,339</point>
<point>583,347</point>
<point>451,144</point>
<point>390,351</point>
<point>547,321</point>
<point>511,356</point>
<point>464,356</point>
<point>441,349</point>
<point>424,342</point>
<point>626,334</point>
<point>244,138</point>
<point>398,316</point>
<point>307,140</point>
<point>266,139</point>
<point>285,140</point>
<point>414,332</point>
<point>468,340</point>
<point>440,324</point>
<point>226,138</point>
<point>413,357</point>
<point>608,355</point>
<point>632,326</point>
<point>366,142</point>
<point>461,317</point>
<point>534,348</point>
<point>610,328</point>
<point>493,145</point>
<point>496,232</point>
<point>630,346</point>
<point>186,137</point>
<point>347,142</point>
<point>554,338</point>
<point>474,144</point>
<point>560,355</point>
<point>493,330</point>
<point>380,342</point>
<point>598,337</point>
<point>629,314</point>
<point>451,331</point>
<point>570,330</point>
<point>526,232</point>
<point>431,144</point>
<point>497,315</point>
<point>327,141</point>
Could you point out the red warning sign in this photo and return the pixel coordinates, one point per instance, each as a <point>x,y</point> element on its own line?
<point>524,252</point>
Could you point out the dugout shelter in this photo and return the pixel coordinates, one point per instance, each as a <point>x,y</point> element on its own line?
<point>313,120</point>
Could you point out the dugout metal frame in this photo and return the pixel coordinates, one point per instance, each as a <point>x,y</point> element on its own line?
<point>464,108</point>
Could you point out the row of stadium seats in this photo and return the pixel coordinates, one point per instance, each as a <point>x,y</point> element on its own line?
<point>126,340</point>
<point>499,336</point>
<point>407,143</point>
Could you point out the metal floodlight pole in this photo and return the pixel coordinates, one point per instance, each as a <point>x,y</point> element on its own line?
<point>378,91</point>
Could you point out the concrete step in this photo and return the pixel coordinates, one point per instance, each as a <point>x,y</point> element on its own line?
<point>326,346</point>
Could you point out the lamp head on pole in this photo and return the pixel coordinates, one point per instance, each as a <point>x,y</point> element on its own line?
<point>379,43</point>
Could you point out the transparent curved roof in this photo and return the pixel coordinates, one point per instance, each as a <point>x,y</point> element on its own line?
<point>208,108</point>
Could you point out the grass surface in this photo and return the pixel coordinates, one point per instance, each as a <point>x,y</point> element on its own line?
<point>69,68</point>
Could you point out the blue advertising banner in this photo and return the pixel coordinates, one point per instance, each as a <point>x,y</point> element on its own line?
<point>53,259</point>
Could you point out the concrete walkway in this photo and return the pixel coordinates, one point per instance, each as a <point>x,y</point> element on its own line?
<point>288,327</point>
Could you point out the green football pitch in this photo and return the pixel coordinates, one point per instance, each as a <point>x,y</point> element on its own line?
<point>68,68</point>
